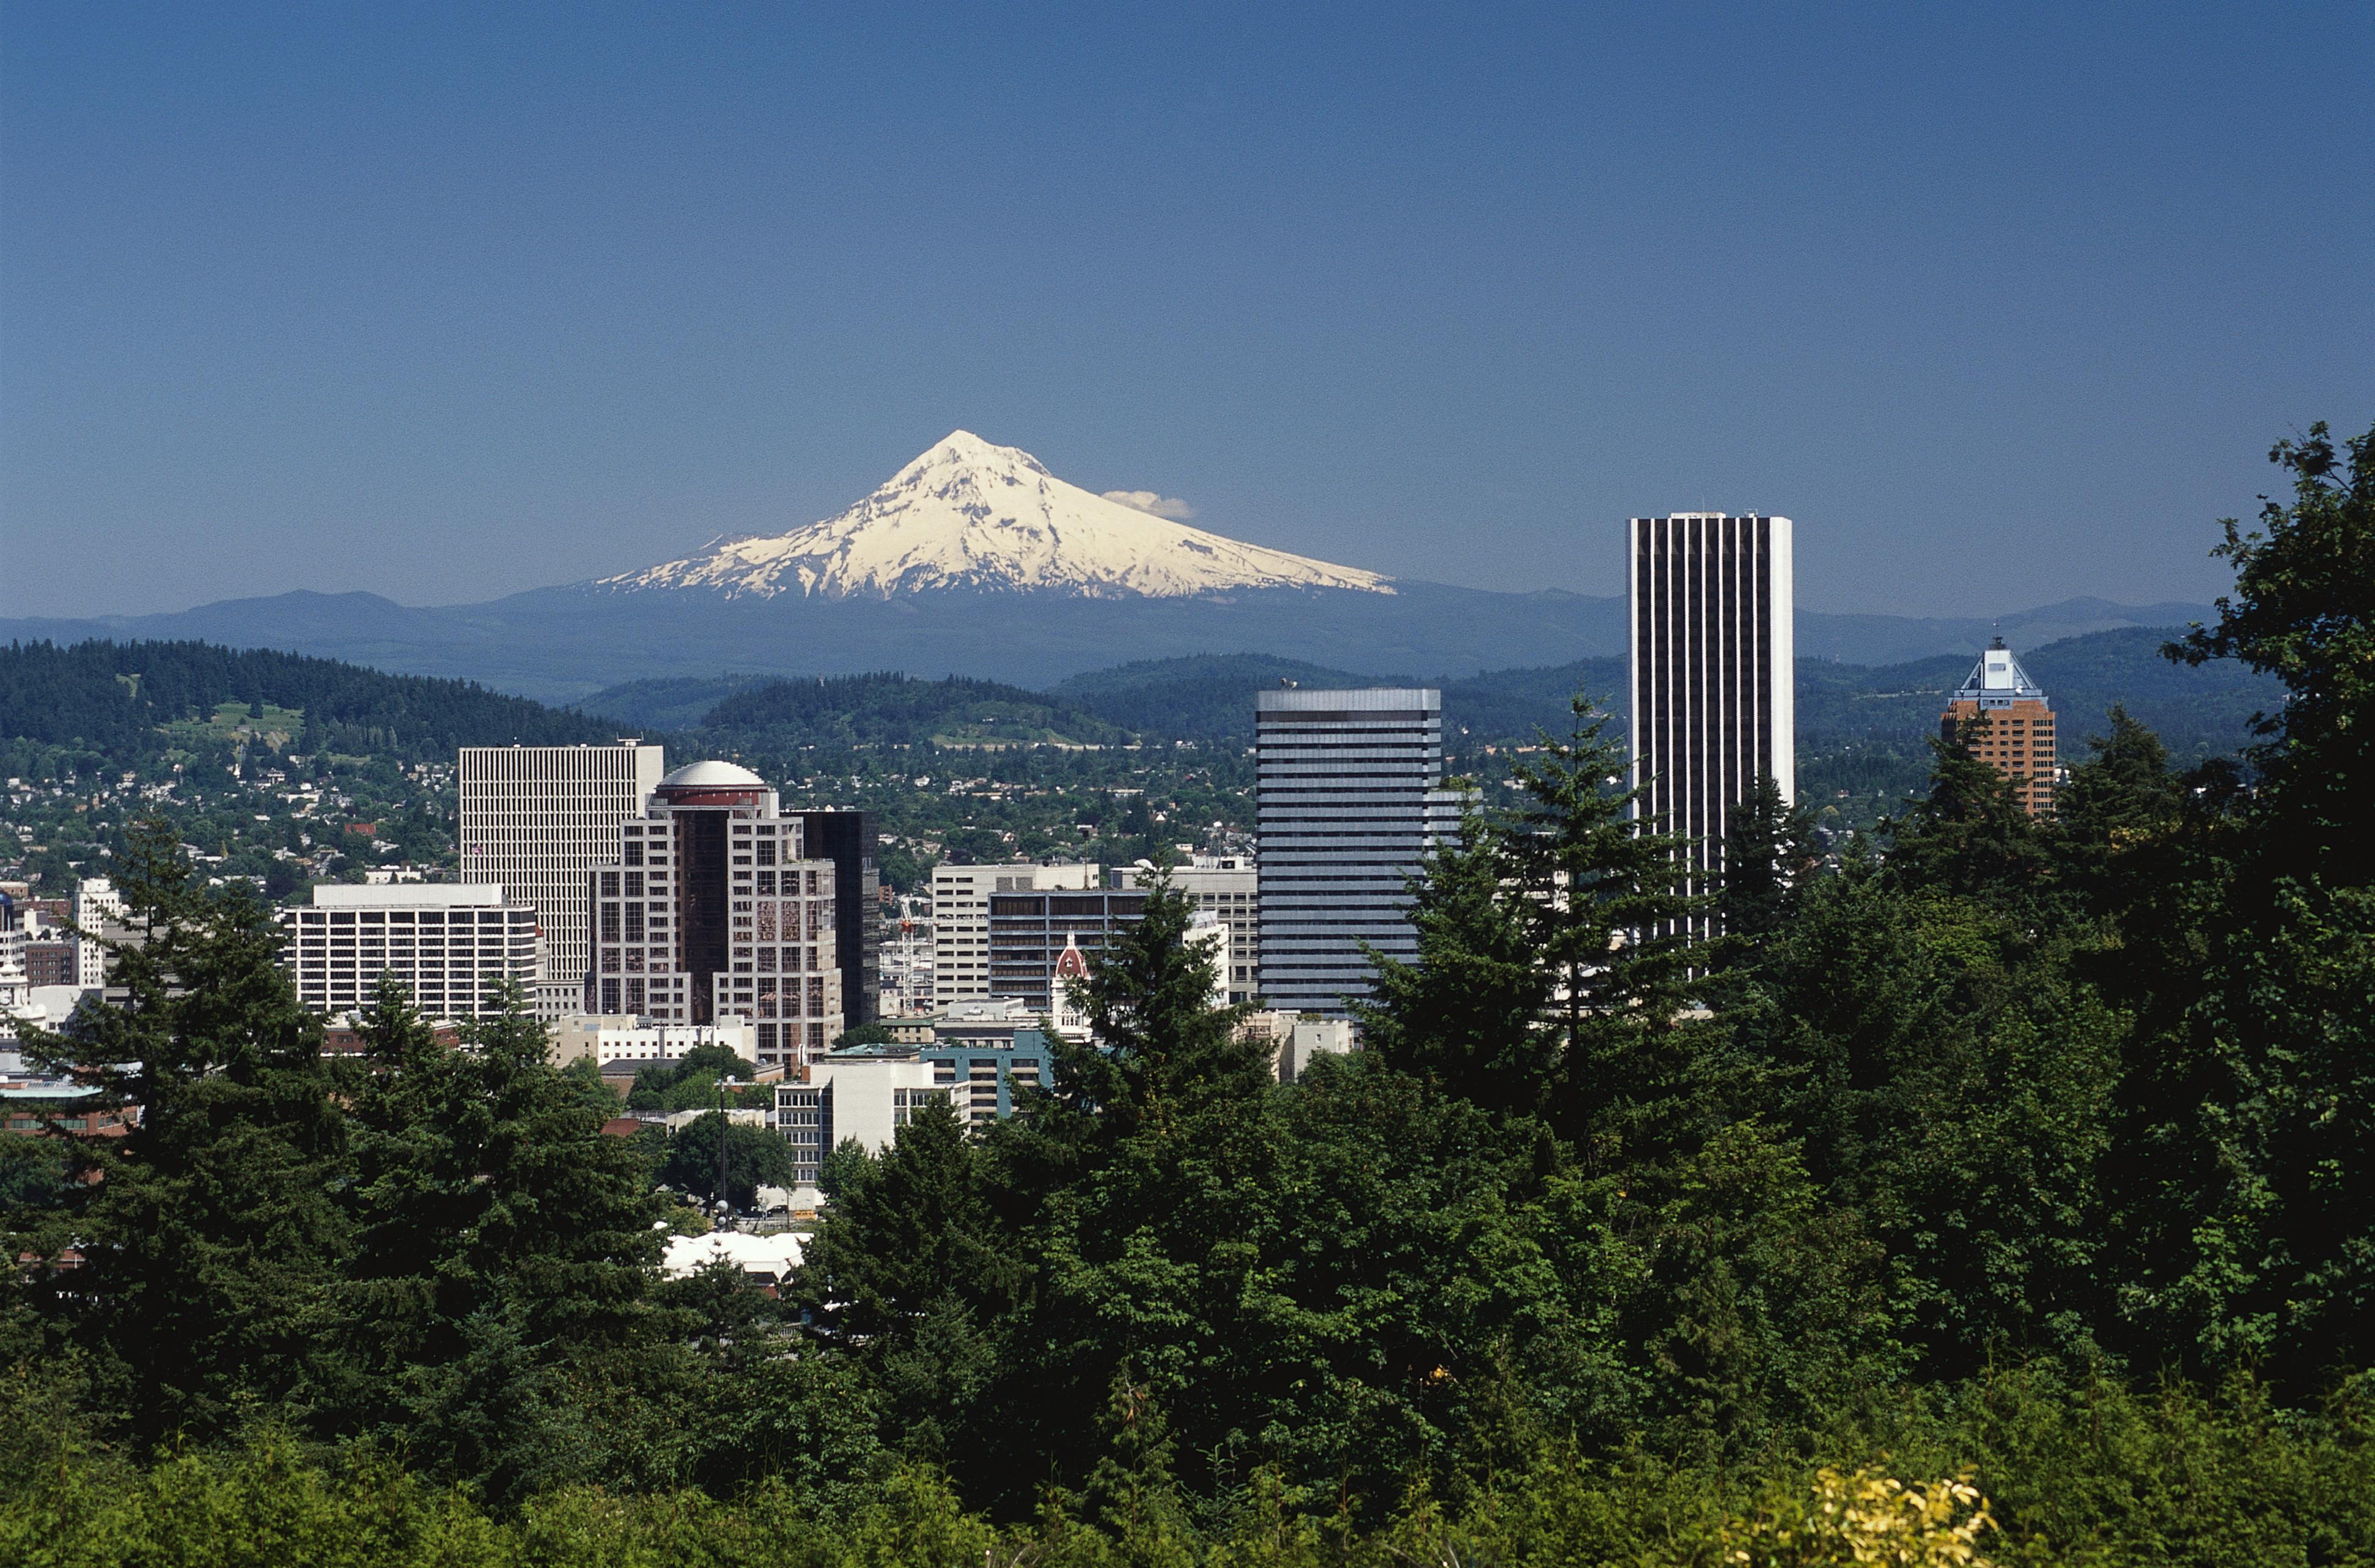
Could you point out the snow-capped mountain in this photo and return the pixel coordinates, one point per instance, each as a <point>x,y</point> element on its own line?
<point>969,515</point>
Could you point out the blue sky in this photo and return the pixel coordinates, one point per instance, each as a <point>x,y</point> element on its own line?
<point>2002,303</point>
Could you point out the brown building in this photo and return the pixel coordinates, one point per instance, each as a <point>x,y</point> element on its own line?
<point>50,963</point>
<point>2018,739</point>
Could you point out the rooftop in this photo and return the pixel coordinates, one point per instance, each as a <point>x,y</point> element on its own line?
<point>713,775</point>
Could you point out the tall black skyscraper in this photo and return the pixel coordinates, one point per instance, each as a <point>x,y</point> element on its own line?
<point>853,841</point>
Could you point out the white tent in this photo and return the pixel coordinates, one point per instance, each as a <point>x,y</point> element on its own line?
<point>768,1258</point>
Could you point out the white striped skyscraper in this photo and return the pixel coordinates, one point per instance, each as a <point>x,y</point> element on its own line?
<point>1712,664</point>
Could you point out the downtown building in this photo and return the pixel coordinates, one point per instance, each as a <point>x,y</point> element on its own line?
<point>709,907</point>
<point>1227,887</point>
<point>1712,706</point>
<point>853,841</point>
<point>452,947</point>
<point>2017,740</point>
<point>535,820</point>
<point>1347,803</point>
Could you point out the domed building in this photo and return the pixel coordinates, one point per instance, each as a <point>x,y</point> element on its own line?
<point>714,911</point>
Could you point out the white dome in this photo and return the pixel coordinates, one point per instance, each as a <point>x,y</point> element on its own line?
<point>712,775</point>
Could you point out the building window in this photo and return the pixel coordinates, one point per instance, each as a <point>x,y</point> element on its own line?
<point>609,996</point>
<point>815,997</point>
<point>610,960</point>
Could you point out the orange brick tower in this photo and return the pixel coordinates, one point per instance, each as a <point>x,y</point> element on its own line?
<point>2018,742</point>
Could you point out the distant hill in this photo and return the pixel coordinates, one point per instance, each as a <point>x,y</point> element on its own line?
<point>665,705</point>
<point>2197,713</point>
<point>889,709</point>
<point>1203,695</point>
<point>118,699</point>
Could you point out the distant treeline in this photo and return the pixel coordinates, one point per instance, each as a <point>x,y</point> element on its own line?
<point>880,708</point>
<point>2198,713</point>
<point>112,697</point>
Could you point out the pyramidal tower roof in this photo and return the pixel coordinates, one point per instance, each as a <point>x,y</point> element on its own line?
<point>1998,674</point>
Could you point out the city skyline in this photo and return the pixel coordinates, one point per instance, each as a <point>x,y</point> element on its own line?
<point>463,303</point>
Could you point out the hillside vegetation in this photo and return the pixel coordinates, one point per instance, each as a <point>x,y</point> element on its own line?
<point>1992,1192</point>
<point>127,701</point>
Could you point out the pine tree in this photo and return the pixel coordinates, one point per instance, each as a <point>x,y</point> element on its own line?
<point>1148,1000</point>
<point>1469,1016</point>
<point>209,1241</point>
<point>502,1238</point>
<point>1603,899</point>
<point>1971,836</point>
<point>1768,845</point>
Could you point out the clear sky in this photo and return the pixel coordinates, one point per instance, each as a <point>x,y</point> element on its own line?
<point>2003,304</point>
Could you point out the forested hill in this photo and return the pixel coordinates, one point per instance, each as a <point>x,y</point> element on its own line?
<point>884,709</point>
<point>2198,711</point>
<point>116,698</point>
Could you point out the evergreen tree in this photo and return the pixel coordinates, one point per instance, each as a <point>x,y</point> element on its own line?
<point>1969,835</point>
<point>1602,896</point>
<point>1470,1016</point>
<point>1148,1000</point>
<point>209,1243</point>
<point>1768,845</point>
<point>502,1238</point>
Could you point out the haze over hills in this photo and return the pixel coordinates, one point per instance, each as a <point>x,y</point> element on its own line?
<point>975,559</point>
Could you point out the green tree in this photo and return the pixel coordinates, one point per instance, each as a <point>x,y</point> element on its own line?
<point>1148,999</point>
<point>1969,835</point>
<point>1469,1016</point>
<point>2304,590</point>
<point>210,1243</point>
<point>504,1239</point>
<point>1768,849</point>
<point>843,1167</point>
<point>1603,898</point>
<point>755,1157</point>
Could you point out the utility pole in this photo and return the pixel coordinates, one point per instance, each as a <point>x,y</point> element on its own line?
<point>721,1124</point>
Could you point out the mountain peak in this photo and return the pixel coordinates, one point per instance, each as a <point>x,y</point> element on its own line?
<point>971,514</point>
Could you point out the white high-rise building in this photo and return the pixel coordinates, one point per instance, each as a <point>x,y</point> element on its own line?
<point>450,944</point>
<point>1347,805</point>
<point>535,820</point>
<point>1713,705</point>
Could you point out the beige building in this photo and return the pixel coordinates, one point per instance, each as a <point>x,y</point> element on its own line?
<point>1227,887</point>
<point>536,818</point>
<point>451,945</point>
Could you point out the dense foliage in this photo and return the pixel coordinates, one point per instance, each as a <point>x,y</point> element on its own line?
<point>1999,1191</point>
<point>112,697</point>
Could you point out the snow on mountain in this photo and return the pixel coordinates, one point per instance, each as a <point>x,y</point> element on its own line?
<point>968,515</point>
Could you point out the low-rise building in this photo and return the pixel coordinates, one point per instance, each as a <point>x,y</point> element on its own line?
<point>612,1037</point>
<point>868,1092</point>
<point>452,946</point>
